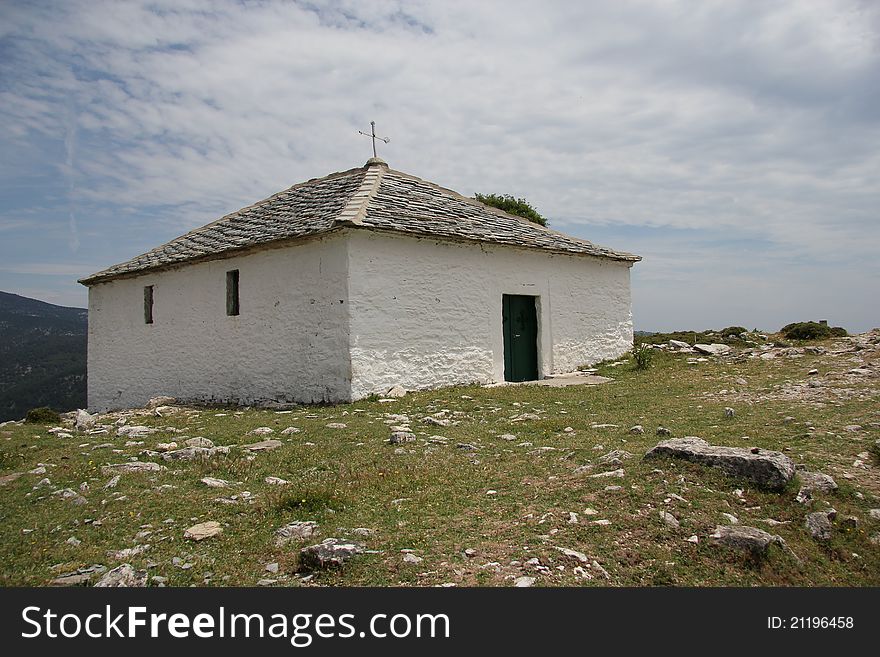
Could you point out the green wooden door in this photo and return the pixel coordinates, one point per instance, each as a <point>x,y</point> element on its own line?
<point>520,326</point>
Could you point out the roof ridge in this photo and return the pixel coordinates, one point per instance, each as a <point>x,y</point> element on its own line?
<point>356,207</point>
<point>508,215</point>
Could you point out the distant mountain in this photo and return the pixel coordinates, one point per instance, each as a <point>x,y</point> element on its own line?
<point>42,356</point>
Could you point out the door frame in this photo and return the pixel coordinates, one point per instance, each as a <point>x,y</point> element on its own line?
<point>507,349</point>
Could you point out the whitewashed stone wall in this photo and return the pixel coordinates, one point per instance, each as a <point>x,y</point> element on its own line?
<point>427,313</point>
<point>341,317</point>
<point>290,341</point>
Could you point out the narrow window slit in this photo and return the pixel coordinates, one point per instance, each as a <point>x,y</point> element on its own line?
<point>148,304</point>
<point>232,292</point>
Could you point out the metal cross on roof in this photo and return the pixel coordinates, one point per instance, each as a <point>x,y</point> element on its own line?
<point>374,137</point>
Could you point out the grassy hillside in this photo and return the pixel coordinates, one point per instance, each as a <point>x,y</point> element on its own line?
<point>42,356</point>
<point>476,508</point>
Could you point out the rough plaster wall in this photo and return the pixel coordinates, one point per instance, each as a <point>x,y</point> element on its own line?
<point>290,342</point>
<point>426,313</point>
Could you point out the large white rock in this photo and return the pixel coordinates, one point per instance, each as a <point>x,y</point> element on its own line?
<point>767,468</point>
<point>713,349</point>
<point>84,420</point>
<point>203,530</point>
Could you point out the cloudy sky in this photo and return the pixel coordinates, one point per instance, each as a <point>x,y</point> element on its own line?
<point>734,145</point>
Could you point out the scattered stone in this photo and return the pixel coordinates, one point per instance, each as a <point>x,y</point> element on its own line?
<point>263,446</point>
<point>132,466</point>
<point>73,540</point>
<point>113,482</point>
<point>774,523</point>
<point>276,481</point>
<point>599,569</point>
<point>203,530</point>
<point>768,469</point>
<point>165,447</point>
<point>637,429</point>
<point>729,412</point>
<point>615,457</point>
<point>467,447</point>
<point>670,520</point>
<point>713,349</point>
<point>79,577</point>
<point>211,482</point>
<point>693,539</point>
<point>819,524</point>
<point>128,553</point>
<point>874,514</point>
<point>523,582</point>
<point>72,495</point>
<point>135,431</point>
<point>266,582</point>
<point>507,436</point>
<point>199,441</point>
<point>663,431</point>
<point>272,567</point>
<point>583,469</point>
<point>299,530</point>
<point>329,553</point>
<point>123,576</point>
<point>396,392</point>
<point>260,431</point>
<point>611,473</point>
<point>580,556</point>
<point>399,437</point>
<point>336,425</point>
<point>161,400</point>
<point>678,344</point>
<point>812,482</point>
<point>409,557</point>
<point>751,539</point>
<point>290,430</point>
<point>194,453</point>
<point>83,420</point>
<point>732,519</point>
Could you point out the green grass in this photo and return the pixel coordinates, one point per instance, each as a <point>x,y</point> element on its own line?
<point>433,498</point>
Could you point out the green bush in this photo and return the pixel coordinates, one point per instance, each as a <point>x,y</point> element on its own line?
<point>42,415</point>
<point>642,356</point>
<point>811,331</point>
<point>512,205</point>
<point>733,331</point>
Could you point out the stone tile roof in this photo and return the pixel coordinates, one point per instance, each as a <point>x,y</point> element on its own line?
<point>371,197</point>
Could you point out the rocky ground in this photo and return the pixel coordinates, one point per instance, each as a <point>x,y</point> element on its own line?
<point>762,470</point>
